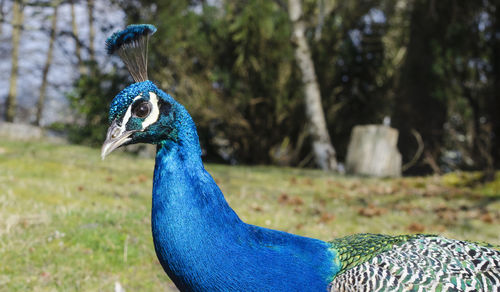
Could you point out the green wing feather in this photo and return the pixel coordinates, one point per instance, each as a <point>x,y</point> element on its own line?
<point>358,248</point>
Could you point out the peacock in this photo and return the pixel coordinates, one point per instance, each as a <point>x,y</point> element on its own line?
<point>203,245</point>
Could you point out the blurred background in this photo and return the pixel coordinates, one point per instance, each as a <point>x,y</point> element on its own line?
<point>430,68</point>
<point>276,88</point>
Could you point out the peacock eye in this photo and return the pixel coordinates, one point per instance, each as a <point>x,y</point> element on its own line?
<point>141,109</point>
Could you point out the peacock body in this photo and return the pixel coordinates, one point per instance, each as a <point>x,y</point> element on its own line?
<point>203,245</point>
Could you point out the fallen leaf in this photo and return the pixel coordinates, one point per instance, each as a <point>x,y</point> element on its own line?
<point>326,217</point>
<point>308,182</point>
<point>371,211</point>
<point>283,198</point>
<point>256,207</point>
<point>446,213</point>
<point>296,201</point>
<point>322,202</point>
<point>416,227</point>
<point>486,218</point>
<point>142,178</point>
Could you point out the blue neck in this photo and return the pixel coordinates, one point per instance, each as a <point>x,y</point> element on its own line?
<point>204,246</point>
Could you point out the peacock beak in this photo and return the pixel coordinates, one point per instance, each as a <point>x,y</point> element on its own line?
<point>116,137</point>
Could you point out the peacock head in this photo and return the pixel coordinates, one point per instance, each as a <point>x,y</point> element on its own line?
<point>141,113</point>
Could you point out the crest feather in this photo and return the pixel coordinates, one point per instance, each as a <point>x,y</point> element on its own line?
<point>131,44</point>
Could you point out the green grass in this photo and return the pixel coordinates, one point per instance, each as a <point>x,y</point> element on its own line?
<point>71,222</point>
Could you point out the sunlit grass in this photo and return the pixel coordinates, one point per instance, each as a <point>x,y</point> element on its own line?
<point>71,222</point>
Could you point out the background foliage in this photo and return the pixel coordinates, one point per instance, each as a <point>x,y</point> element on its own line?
<point>433,67</point>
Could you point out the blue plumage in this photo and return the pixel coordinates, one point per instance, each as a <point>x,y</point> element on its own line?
<point>200,241</point>
<point>203,245</point>
<point>193,226</point>
<point>130,34</point>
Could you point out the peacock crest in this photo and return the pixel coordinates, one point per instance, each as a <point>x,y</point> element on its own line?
<point>131,44</point>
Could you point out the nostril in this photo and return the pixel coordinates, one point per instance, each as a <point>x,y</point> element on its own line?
<point>115,133</point>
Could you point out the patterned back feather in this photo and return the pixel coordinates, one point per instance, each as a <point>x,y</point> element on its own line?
<point>415,263</point>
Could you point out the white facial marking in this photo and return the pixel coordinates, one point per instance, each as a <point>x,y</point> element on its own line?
<point>155,112</point>
<point>127,116</point>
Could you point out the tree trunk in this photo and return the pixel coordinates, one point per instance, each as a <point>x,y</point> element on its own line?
<point>494,102</point>
<point>90,10</point>
<point>46,67</point>
<point>324,153</point>
<point>416,92</point>
<point>78,47</point>
<point>2,15</point>
<point>17,22</point>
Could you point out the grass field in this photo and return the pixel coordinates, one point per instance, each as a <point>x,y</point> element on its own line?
<point>71,222</point>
